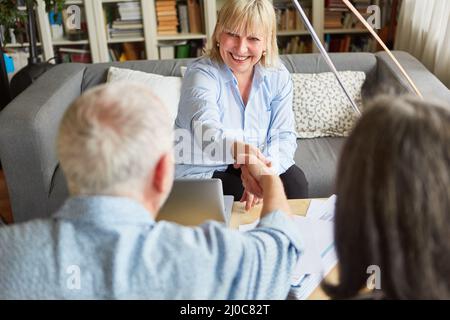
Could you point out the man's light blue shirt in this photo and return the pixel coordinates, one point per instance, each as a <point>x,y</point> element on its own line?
<point>111,248</point>
<point>210,103</point>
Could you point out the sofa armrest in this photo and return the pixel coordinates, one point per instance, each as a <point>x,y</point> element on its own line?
<point>28,130</point>
<point>427,83</point>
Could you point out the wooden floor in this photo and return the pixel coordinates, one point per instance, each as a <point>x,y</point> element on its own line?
<point>5,207</point>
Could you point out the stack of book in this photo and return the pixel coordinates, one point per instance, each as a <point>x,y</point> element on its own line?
<point>295,45</point>
<point>288,18</point>
<point>129,24</point>
<point>166,14</point>
<point>338,16</point>
<point>347,43</point>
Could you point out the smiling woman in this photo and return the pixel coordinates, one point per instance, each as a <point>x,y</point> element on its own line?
<point>240,96</point>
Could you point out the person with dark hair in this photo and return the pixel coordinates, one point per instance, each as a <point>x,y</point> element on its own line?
<point>393,203</point>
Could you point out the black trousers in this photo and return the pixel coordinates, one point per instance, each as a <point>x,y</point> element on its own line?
<point>294,182</point>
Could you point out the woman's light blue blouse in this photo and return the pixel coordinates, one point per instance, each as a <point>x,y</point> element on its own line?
<point>212,115</point>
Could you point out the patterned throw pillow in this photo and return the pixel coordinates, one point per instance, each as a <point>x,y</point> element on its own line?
<point>321,107</point>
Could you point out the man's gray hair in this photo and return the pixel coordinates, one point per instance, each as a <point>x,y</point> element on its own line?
<point>111,138</point>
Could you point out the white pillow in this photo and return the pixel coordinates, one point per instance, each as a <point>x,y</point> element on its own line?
<point>321,107</point>
<point>167,89</point>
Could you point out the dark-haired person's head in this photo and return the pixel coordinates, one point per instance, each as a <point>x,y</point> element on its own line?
<point>393,207</point>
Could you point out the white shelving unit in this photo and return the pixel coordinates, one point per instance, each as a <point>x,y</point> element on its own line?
<point>99,42</point>
<point>151,37</point>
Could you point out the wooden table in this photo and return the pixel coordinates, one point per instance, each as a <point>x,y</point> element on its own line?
<point>300,207</point>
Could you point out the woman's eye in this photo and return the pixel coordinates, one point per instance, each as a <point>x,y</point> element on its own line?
<point>233,34</point>
<point>254,39</point>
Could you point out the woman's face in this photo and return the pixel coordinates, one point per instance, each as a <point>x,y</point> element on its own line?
<point>241,52</point>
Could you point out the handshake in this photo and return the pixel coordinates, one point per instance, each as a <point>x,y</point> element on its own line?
<point>260,181</point>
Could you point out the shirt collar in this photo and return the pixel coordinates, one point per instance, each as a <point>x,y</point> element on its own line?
<point>107,209</point>
<point>227,74</point>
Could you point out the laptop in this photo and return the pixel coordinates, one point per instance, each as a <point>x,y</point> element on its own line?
<point>194,201</point>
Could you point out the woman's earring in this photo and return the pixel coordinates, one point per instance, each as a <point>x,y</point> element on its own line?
<point>218,44</point>
<point>264,53</point>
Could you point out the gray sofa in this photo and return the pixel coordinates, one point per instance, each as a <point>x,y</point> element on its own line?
<point>28,125</point>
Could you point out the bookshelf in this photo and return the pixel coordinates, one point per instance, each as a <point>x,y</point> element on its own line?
<point>327,16</point>
<point>151,40</point>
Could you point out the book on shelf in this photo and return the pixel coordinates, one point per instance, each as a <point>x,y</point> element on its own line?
<point>338,16</point>
<point>127,24</point>
<point>166,15</point>
<point>295,45</point>
<point>126,51</point>
<point>194,16</point>
<point>180,49</point>
<point>349,43</point>
<point>124,20</point>
<point>74,55</point>
<point>288,18</point>
<point>129,10</point>
<point>166,52</point>
<point>183,17</point>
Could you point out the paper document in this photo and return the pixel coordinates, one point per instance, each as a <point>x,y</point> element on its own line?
<point>319,257</point>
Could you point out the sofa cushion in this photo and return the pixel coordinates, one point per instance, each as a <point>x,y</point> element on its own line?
<point>166,88</point>
<point>96,73</point>
<point>318,159</point>
<point>321,107</point>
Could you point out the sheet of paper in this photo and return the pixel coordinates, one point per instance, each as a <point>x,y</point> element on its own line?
<point>309,261</point>
<point>318,254</point>
<point>322,210</point>
<point>320,218</point>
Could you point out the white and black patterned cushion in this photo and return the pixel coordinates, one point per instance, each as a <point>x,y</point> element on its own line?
<point>321,107</point>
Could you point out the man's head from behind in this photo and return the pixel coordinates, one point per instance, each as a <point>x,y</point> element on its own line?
<point>117,140</point>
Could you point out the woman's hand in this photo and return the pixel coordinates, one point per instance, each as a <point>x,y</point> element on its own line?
<point>241,149</point>
<point>250,200</point>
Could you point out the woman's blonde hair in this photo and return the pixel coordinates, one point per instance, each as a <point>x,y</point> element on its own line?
<point>244,17</point>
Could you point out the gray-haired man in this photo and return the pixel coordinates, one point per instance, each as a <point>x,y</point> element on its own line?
<point>115,148</point>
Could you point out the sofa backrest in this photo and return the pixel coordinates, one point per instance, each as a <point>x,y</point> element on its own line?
<point>95,74</point>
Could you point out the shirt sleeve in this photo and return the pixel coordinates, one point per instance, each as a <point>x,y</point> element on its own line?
<point>282,137</point>
<point>220,263</point>
<point>199,113</point>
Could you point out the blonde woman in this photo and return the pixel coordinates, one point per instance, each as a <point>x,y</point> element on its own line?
<point>239,95</point>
